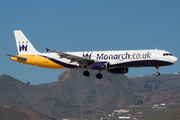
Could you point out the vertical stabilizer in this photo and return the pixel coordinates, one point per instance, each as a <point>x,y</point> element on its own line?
<point>23,44</point>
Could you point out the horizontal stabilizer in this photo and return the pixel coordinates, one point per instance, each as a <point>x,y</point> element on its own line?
<point>21,58</point>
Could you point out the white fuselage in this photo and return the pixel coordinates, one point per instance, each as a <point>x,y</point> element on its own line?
<point>119,59</point>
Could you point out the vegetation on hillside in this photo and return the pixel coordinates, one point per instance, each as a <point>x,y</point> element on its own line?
<point>74,95</point>
<point>172,114</point>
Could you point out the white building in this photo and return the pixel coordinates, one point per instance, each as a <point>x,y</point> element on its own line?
<point>124,117</point>
<point>156,105</point>
<point>121,111</point>
<point>163,104</point>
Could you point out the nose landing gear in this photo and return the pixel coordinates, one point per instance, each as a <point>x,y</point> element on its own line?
<point>157,68</point>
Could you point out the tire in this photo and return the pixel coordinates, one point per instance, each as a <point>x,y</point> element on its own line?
<point>99,76</point>
<point>158,74</point>
<point>86,73</point>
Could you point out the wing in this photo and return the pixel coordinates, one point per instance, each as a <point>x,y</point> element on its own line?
<point>80,60</point>
<point>21,58</point>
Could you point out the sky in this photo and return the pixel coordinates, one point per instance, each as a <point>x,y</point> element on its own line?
<point>87,25</point>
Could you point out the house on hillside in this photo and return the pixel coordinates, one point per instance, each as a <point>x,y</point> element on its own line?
<point>121,111</point>
<point>124,117</point>
<point>102,118</point>
<point>110,114</point>
<point>163,104</point>
<point>157,107</point>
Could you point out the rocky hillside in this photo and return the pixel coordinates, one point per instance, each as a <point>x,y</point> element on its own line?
<point>172,114</point>
<point>162,83</point>
<point>74,95</point>
<point>9,113</point>
<point>93,96</point>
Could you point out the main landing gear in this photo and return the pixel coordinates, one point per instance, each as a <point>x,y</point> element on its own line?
<point>98,76</point>
<point>157,68</point>
<point>86,73</point>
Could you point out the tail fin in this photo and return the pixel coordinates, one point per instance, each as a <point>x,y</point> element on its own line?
<point>23,44</point>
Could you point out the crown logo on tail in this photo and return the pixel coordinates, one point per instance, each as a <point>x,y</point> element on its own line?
<point>23,46</point>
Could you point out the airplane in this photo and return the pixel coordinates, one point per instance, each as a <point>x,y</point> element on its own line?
<point>115,62</point>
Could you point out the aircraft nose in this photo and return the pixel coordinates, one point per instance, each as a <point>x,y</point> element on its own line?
<point>174,60</point>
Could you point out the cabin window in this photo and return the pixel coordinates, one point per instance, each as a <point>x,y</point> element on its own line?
<point>167,54</point>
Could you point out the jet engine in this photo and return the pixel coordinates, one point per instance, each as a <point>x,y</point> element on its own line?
<point>118,70</point>
<point>100,66</point>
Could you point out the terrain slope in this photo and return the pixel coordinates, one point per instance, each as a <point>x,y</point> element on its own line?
<point>74,95</point>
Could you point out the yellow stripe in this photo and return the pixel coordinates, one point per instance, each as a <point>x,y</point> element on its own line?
<point>37,60</point>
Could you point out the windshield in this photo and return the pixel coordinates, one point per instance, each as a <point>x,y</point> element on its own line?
<point>167,54</point>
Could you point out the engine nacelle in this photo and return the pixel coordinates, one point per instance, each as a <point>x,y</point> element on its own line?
<point>100,66</point>
<point>118,70</point>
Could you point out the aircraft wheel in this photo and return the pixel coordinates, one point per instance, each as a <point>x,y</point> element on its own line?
<point>157,68</point>
<point>86,73</point>
<point>158,74</point>
<point>99,76</point>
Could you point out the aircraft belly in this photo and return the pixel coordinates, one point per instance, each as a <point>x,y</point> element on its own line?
<point>61,64</point>
<point>142,63</point>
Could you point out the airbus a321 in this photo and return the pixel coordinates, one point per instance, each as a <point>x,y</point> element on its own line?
<point>116,62</point>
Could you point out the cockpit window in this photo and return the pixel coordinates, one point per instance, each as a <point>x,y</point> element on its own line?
<point>167,54</point>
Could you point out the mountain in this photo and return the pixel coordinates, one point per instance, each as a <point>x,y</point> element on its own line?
<point>87,95</point>
<point>45,84</point>
<point>91,94</point>
<point>72,94</point>
<point>162,83</point>
<point>12,92</point>
<point>18,94</point>
<point>9,113</point>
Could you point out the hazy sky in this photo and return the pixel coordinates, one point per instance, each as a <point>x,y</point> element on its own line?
<point>88,25</point>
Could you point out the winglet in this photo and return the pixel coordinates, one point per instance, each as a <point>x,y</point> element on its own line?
<point>47,50</point>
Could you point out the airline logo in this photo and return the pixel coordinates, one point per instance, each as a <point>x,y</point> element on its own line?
<point>103,56</point>
<point>23,46</point>
<point>126,55</point>
<point>87,55</point>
